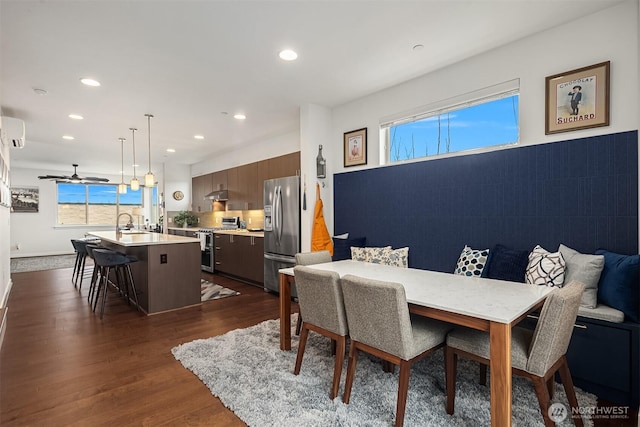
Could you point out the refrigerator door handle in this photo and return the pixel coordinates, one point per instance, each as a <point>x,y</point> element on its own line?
<point>280,214</point>
<point>280,258</point>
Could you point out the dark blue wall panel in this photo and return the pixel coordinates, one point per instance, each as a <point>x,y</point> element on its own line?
<point>582,192</point>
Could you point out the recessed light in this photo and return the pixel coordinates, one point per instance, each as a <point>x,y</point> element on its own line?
<point>288,55</point>
<point>75,116</point>
<point>198,136</point>
<point>239,116</point>
<point>68,137</point>
<point>135,165</point>
<point>170,150</point>
<point>89,82</point>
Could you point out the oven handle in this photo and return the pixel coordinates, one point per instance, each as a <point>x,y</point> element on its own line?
<point>280,258</point>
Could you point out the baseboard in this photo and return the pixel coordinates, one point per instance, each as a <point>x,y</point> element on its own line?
<point>35,254</point>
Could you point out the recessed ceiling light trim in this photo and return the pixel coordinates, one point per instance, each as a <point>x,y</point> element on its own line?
<point>171,150</point>
<point>90,82</point>
<point>239,116</point>
<point>68,137</point>
<point>76,117</point>
<point>198,136</point>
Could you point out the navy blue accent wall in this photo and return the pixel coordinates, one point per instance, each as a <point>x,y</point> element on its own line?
<point>581,192</point>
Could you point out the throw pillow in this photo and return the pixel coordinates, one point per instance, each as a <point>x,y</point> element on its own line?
<point>377,255</point>
<point>618,286</point>
<point>396,257</point>
<point>507,264</point>
<point>545,268</point>
<point>359,254</point>
<point>586,269</point>
<point>471,262</point>
<point>342,247</point>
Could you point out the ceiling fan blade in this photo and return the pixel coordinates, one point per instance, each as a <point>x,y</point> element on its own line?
<point>54,177</point>
<point>96,179</point>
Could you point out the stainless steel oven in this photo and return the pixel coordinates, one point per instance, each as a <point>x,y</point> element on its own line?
<point>206,249</point>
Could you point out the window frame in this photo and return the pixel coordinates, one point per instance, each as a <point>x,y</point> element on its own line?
<point>493,93</point>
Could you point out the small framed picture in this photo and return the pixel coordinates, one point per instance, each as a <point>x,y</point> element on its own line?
<point>355,147</point>
<point>577,99</point>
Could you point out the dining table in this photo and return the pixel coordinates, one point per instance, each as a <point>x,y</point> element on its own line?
<point>490,305</point>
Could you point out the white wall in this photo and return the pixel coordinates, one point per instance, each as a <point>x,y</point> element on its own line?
<point>5,232</point>
<point>608,35</point>
<point>177,178</point>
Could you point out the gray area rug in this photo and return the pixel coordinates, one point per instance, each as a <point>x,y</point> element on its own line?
<point>38,263</point>
<point>252,377</point>
<point>210,291</point>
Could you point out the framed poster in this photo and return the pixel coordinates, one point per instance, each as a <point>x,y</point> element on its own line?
<point>577,99</point>
<point>355,147</point>
<point>25,199</point>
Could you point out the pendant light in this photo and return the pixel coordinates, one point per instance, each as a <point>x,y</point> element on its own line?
<point>122,187</point>
<point>149,179</point>
<point>135,184</point>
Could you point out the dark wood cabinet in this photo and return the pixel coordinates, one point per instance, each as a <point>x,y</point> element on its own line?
<point>244,183</point>
<point>240,256</point>
<point>200,187</point>
<point>219,180</point>
<point>248,183</point>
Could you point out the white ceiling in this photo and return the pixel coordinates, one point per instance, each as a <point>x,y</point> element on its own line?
<point>187,62</point>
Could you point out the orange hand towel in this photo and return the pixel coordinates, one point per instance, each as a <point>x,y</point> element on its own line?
<point>320,238</point>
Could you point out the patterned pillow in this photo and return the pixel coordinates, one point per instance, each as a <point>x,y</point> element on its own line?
<point>545,268</point>
<point>359,254</point>
<point>471,262</point>
<point>396,257</point>
<point>377,255</point>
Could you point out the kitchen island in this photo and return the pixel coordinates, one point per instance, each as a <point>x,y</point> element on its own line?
<point>167,273</point>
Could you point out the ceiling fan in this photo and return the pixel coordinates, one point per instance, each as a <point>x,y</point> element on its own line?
<point>75,179</point>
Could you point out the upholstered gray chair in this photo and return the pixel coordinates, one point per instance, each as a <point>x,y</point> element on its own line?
<point>536,355</point>
<point>320,296</point>
<point>310,258</point>
<point>380,324</point>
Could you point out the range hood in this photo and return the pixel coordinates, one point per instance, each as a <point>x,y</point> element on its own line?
<point>218,195</point>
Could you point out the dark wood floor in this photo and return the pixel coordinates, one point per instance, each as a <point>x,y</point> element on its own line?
<point>60,365</point>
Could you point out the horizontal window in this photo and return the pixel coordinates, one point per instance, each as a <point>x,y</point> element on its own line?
<point>473,123</point>
<point>94,204</point>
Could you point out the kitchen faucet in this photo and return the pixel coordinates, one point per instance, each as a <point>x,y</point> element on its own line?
<point>129,224</point>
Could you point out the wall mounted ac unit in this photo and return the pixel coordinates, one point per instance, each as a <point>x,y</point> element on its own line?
<point>12,131</point>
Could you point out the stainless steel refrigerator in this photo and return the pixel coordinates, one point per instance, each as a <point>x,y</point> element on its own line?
<point>281,228</point>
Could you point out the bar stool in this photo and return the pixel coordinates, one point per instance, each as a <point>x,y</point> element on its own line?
<point>106,260</point>
<point>76,266</point>
<point>96,271</point>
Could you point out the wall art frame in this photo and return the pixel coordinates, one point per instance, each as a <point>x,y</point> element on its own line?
<point>577,99</point>
<point>355,147</point>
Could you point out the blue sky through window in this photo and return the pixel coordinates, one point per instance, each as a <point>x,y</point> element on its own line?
<point>98,194</point>
<point>491,123</point>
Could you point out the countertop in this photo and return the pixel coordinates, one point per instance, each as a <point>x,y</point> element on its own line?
<point>142,238</point>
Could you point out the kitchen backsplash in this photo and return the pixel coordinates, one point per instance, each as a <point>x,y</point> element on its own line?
<point>252,218</point>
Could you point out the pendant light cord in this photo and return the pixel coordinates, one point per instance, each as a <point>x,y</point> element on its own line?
<point>122,159</point>
<point>133,142</point>
<point>149,135</point>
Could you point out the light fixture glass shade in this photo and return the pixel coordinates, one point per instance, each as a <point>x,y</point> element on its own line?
<point>149,180</point>
<point>122,188</point>
<point>135,184</point>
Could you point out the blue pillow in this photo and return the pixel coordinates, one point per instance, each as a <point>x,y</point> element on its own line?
<point>619,286</point>
<point>507,264</point>
<point>342,247</point>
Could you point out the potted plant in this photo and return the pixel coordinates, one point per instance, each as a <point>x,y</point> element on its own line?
<point>185,218</point>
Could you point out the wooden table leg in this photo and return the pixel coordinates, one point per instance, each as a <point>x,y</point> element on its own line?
<point>285,312</point>
<point>500,362</point>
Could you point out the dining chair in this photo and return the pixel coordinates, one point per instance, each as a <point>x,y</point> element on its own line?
<point>536,355</point>
<point>310,258</point>
<point>380,324</point>
<point>320,296</point>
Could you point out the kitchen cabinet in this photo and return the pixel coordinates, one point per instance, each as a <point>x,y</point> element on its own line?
<point>183,232</point>
<point>200,187</point>
<point>248,183</point>
<point>219,180</point>
<point>240,256</point>
<point>233,187</point>
<point>287,165</point>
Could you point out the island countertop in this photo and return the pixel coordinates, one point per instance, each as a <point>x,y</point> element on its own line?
<point>138,238</point>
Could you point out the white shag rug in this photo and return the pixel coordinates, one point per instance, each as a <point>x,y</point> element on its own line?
<point>246,369</point>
